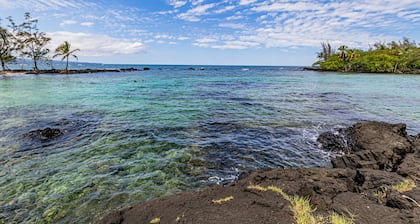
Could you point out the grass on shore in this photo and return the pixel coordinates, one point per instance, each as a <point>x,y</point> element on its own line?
<point>405,185</point>
<point>303,210</point>
<point>155,221</point>
<point>222,200</point>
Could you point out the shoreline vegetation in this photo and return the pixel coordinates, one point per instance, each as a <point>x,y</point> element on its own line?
<point>26,41</point>
<point>402,57</point>
<point>374,181</point>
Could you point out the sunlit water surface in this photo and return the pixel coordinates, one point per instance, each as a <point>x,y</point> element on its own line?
<point>135,136</point>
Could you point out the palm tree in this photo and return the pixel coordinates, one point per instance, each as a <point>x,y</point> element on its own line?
<point>64,50</point>
<point>327,51</point>
<point>343,50</point>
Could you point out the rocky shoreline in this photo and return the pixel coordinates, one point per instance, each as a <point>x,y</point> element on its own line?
<point>73,71</point>
<point>317,69</point>
<point>375,181</point>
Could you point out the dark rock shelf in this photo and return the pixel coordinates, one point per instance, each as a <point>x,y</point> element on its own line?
<point>377,157</point>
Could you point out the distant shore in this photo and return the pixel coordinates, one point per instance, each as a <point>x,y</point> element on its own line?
<point>413,72</point>
<point>73,71</point>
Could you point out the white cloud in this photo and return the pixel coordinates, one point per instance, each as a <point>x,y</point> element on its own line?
<point>164,36</point>
<point>67,22</point>
<point>96,44</point>
<point>44,5</point>
<point>236,45</point>
<point>177,3</point>
<point>193,14</point>
<point>206,40</point>
<point>232,25</point>
<point>252,23</point>
<point>5,4</point>
<point>246,2</point>
<point>234,17</point>
<point>296,6</point>
<point>204,45</point>
<point>196,2</point>
<point>88,24</point>
<point>225,9</point>
<point>183,38</point>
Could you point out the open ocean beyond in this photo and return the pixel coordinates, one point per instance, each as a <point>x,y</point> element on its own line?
<point>135,136</point>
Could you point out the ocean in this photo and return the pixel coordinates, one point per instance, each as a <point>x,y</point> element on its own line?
<point>135,136</point>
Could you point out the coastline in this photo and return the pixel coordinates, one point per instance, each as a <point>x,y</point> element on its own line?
<point>413,72</point>
<point>362,185</point>
<point>73,71</point>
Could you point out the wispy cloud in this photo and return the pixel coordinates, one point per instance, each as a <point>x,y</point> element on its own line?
<point>177,3</point>
<point>96,44</point>
<point>67,22</point>
<point>226,24</point>
<point>43,5</point>
<point>206,40</point>
<point>225,9</point>
<point>5,4</point>
<point>307,23</point>
<point>246,2</point>
<point>236,45</point>
<point>183,38</point>
<point>194,14</point>
<point>285,6</point>
<point>232,25</point>
<point>88,24</point>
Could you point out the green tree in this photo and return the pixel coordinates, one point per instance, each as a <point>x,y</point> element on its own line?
<point>31,43</point>
<point>64,51</point>
<point>334,63</point>
<point>342,52</point>
<point>6,47</point>
<point>395,56</point>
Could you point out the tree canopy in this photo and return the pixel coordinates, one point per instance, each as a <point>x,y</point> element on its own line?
<point>24,40</point>
<point>6,47</point>
<point>393,57</point>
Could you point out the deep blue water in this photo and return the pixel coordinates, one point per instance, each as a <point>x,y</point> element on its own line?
<point>136,136</point>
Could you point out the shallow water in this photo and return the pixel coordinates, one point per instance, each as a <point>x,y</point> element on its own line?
<point>132,137</point>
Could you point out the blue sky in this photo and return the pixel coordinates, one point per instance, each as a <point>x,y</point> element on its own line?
<point>233,32</point>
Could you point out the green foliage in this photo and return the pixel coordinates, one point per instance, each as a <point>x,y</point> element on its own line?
<point>393,57</point>
<point>334,63</point>
<point>7,47</point>
<point>64,51</point>
<point>378,62</point>
<point>31,43</point>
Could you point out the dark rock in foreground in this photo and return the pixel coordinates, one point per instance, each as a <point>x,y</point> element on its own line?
<point>378,157</point>
<point>373,145</point>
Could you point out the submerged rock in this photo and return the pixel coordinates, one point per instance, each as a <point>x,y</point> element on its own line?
<point>45,134</point>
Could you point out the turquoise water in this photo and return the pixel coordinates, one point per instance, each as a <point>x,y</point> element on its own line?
<point>135,136</point>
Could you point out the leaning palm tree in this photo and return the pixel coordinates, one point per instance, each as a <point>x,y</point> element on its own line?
<point>64,50</point>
